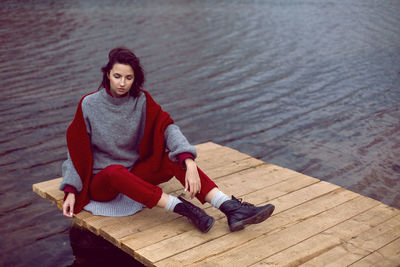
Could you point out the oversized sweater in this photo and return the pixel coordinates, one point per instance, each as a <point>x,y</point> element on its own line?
<point>115,128</point>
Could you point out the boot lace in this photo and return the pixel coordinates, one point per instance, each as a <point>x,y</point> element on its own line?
<point>196,211</point>
<point>245,204</point>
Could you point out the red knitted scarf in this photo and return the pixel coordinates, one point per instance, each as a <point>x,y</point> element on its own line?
<point>152,153</point>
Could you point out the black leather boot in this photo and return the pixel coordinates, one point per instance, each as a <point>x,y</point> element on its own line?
<point>242,213</point>
<point>195,215</point>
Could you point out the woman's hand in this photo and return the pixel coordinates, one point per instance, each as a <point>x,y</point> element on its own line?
<point>192,178</point>
<point>68,206</point>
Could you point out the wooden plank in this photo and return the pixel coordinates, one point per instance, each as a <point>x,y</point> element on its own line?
<point>253,179</point>
<point>55,194</point>
<point>388,255</point>
<point>163,231</point>
<point>294,183</point>
<point>275,223</point>
<point>208,152</point>
<point>167,230</point>
<point>81,217</point>
<point>329,239</point>
<point>49,190</point>
<point>322,196</point>
<point>378,236</point>
<point>266,245</point>
<point>42,188</point>
<point>360,246</point>
<point>211,157</point>
<point>314,191</point>
<point>230,167</point>
<point>147,219</point>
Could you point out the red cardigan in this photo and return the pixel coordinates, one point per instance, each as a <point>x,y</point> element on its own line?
<point>152,154</point>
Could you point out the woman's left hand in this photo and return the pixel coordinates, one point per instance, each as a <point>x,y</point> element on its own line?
<point>192,178</point>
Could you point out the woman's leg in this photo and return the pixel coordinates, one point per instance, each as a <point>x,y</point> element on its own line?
<point>115,179</point>
<point>210,195</point>
<point>238,213</point>
<point>208,187</point>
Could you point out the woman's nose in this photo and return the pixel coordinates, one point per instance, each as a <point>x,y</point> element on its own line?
<point>122,82</point>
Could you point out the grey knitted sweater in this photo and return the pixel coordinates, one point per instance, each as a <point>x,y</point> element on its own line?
<point>115,127</point>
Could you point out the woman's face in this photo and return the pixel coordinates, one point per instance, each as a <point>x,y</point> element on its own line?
<point>121,79</point>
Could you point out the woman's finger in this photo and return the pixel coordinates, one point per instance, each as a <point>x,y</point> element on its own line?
<point>71,211</point>
<point>192,188</point>
<point>195,189</point>
<point>186,184</point>
<point>66,209</point>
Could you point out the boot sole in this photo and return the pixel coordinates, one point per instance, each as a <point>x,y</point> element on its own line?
<point>258,218</point>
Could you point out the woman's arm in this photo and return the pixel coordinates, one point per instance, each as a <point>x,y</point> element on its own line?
<point>177,144</point>
<point>192,178</point>
<point>181,150</point>
<point>70,176</point>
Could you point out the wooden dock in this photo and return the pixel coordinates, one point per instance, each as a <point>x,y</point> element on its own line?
<point>315,223</point>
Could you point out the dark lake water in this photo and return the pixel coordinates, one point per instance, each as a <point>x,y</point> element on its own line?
<point>313,86</point>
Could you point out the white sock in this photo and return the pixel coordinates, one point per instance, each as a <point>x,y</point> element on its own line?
<point>218,199</point>
<point>172,202</point>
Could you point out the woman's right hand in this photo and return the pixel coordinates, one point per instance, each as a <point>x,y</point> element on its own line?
<point>68,206</point>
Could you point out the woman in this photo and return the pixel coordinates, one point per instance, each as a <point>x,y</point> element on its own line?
<point>121,145</point>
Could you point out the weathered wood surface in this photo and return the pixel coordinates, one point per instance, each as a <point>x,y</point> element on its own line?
<point>315,223</point>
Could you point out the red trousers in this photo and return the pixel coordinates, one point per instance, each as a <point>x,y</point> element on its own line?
<point>115,179</point>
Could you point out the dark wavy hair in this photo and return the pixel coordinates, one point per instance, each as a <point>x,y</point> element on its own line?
<point>123,55</point>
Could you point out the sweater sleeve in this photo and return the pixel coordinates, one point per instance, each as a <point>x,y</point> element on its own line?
<point>70,176</point>
<point>177,143</point>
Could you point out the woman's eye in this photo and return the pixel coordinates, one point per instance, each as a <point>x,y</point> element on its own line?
<point>116,76</point>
